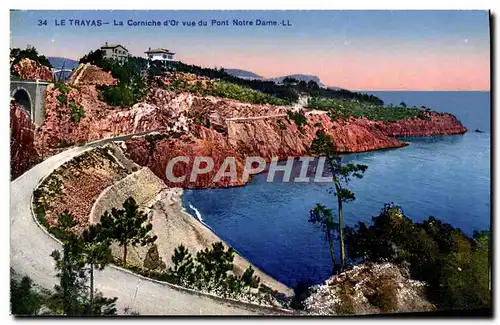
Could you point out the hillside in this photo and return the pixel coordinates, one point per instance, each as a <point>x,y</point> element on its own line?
<point>244,74</point>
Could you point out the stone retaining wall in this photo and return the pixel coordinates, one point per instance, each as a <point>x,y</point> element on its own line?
<point>142,185</point>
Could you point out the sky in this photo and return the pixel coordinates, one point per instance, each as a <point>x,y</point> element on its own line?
<point>357,50</point>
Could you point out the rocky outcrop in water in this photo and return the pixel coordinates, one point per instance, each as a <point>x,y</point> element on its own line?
<point>438,124</point>
<point>31,70</point>
<point>23,154</point>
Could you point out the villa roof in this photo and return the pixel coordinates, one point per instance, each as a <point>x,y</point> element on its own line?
<point>159,50</point>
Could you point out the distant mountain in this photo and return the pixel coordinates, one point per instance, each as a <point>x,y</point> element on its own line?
<point>58,62</point>
<point>244,74</point>
<point>300,77</point>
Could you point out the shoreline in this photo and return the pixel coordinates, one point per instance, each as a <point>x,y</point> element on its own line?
<point>172,204</point>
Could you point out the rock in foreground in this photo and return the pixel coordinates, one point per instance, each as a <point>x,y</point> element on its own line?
<point>368,289</point>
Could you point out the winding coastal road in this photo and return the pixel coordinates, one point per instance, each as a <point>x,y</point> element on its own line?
<point>31,246</point>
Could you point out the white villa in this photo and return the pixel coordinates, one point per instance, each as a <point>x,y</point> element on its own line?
<point>115,51</point>
<point>160,55</point>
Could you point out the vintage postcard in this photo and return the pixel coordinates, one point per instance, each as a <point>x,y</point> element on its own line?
<point>284,163</point>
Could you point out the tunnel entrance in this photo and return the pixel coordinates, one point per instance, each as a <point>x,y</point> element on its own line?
<point>22,98</point>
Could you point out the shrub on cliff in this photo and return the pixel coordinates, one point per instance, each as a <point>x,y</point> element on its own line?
<point>117,95</point>
<point>210,271</point>
<point>346,108</point>
<point>223,89</point>
<point>455,266</point>
<point>368,289</point>
<point>298,117</point>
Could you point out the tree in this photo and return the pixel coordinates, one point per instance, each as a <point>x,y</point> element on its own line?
<point>96,252</point>
<point>79,251</point>
<point>94,57</point>
<point>24,300</point>
<point>323,217</point>
<point>341,173</point>
<point>213,264</point>
<point>402,104</point>
<point>127,226</point>
<point>70,266</point>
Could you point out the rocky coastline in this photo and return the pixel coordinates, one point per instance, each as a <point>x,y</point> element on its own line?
<point>207,125</point>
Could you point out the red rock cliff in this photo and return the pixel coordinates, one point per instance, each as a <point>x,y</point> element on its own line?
<point>438,124</point>
<point>31,70</point>
<point>236,129</point>
<point>23,154</point>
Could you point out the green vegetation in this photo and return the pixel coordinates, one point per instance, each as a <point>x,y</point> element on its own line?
<point>79,252</point>
<point>323,145</point>
<point>77,111</point>
<point>127,226</point>
<point>247,95</point>
<point>281,124</point>
<point>64,90</point>
<point>24,298</point>
<point>16,55</point>
<point>212,271</point>
<point>121,95</point>
<point>298,117</point>
<point>209,271</point>
<point>455,266</point>
<point>131,87</point>
<point>226,90</point>
<point>289,90</point>
<point>346,108</point>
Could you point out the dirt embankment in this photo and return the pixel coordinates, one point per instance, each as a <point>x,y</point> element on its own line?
<point>76,185</point>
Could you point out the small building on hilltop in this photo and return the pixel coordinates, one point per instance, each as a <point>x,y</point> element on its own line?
<point>160,54</point>
<point>115,51</point>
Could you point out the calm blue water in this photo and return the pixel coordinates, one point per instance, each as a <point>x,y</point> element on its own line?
<point>444,176</point>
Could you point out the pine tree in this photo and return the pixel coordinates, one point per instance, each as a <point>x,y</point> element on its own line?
<point>72,292</point>
<point>24,300</point>
<point>323,217</point>
<point>323,145</point>
<point>97,254</point>
<point>128,226</point>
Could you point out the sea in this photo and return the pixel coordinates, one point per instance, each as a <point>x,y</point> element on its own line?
<point>443,176</point>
